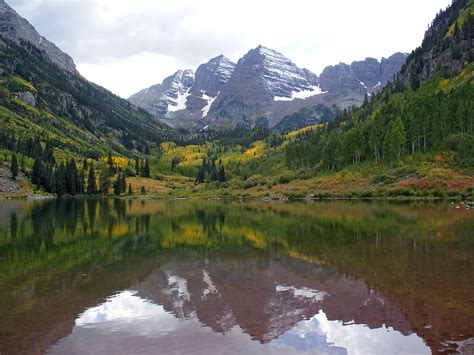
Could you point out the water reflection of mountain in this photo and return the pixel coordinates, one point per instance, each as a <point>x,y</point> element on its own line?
<point>265,268</point>
<point>265,297</point>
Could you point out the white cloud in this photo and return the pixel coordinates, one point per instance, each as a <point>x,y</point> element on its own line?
<point>128,45</point>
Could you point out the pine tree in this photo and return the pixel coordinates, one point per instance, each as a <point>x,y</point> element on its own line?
<point>130,190</point>
<point>214,172</point>
<point>91,181</point>
<point>36,172</point>
<point>120,184</point>
<point>143,190</point>
<point>14,167</point>
<point>137,166</point>
<point>222,177</point>
<point>60,178</point>
<point>123,183</point>
<point>146,169</point>
<point>110,163</point>
<point>71,177</point>
<point>104,180</point>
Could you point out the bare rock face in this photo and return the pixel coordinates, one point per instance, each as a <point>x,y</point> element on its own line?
<point>391,66</point>
<point>27,97</point>
<point>185,98</point>
<point>261,78</point>
<point>169,96</point>
<point>262,90</point>
<point>362,77</point>
<point>17,29</point>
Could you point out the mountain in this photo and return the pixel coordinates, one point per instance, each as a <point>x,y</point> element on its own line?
<point>42,94</point>
<point>266,89</point>
<point>169,96</point>
<point>18,30</point>
<point>361,77</point>
<point>262,81</point>
<point>185,97</point>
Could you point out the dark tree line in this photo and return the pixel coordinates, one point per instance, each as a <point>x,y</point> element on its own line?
<point>30,147</point>
<point>209,171</point>
<point>60,179</point>
<point>142,168</point>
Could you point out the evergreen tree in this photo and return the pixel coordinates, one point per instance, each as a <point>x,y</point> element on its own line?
<point>143,190</point>
<point>91,181</point>
<point>137,166</point>
<point>200,178</point>
<point>36,172</point>
<point>104,180</point>
<point>120,184</point>
<point>146,169</point>
<point>110,163</point>
<point>123,183</point>
<point>214,172</point>
<point>130,190</point>
<point>60,179</point>
<point>222,177</point>
<point>14,167</point>
<point>71,177</point>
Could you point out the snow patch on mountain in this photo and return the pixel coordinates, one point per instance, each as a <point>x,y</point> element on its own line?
<point>210,100</point>
<point>302,94</point>
<point>180,102</point>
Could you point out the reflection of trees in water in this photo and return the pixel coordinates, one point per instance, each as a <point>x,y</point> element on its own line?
<point>211,220</point>
<point>13,225</point>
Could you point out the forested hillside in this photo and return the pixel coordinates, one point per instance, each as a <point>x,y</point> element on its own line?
<point>429,107</point>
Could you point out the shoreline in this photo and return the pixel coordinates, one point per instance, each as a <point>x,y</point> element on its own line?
<point>277,198</point>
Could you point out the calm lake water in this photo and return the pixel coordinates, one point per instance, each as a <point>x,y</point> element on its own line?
<point>115,276</point>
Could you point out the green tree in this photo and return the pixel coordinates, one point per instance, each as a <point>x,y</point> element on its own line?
<point>146,169</point>
<point>14,166</point>
<point>91,181</point>
<point>110,163</point>
<point>395,140</point>
<point>104,180</point>
<point>222,176</point>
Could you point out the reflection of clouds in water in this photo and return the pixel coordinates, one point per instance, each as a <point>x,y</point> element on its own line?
<point>333,337</point>
<point>128,312</point>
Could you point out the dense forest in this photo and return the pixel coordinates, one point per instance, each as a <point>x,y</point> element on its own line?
<point>421,111</point>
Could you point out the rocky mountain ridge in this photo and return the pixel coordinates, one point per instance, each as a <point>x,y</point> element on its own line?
<point>17,29</point>
<point>264,89</point>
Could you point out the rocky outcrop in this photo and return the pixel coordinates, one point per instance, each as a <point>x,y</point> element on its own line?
<point>27,97</point>
<point>361,77</point>
<point>18,29</point>
<point>447,45</point>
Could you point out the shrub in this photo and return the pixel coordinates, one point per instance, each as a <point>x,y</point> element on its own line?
<point>284,179</point>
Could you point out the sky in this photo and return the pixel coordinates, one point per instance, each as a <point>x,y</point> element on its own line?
<point>128,45</point>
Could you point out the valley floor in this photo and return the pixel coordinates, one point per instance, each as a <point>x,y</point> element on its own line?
<point>429,176</point>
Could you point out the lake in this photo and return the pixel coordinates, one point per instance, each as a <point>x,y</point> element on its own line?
<point>130,276</point>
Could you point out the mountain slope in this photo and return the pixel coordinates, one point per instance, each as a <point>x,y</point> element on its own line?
<point>428,109</point>
<point>42,94</point>
<point>186,97</point>
<point>17,29</point>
